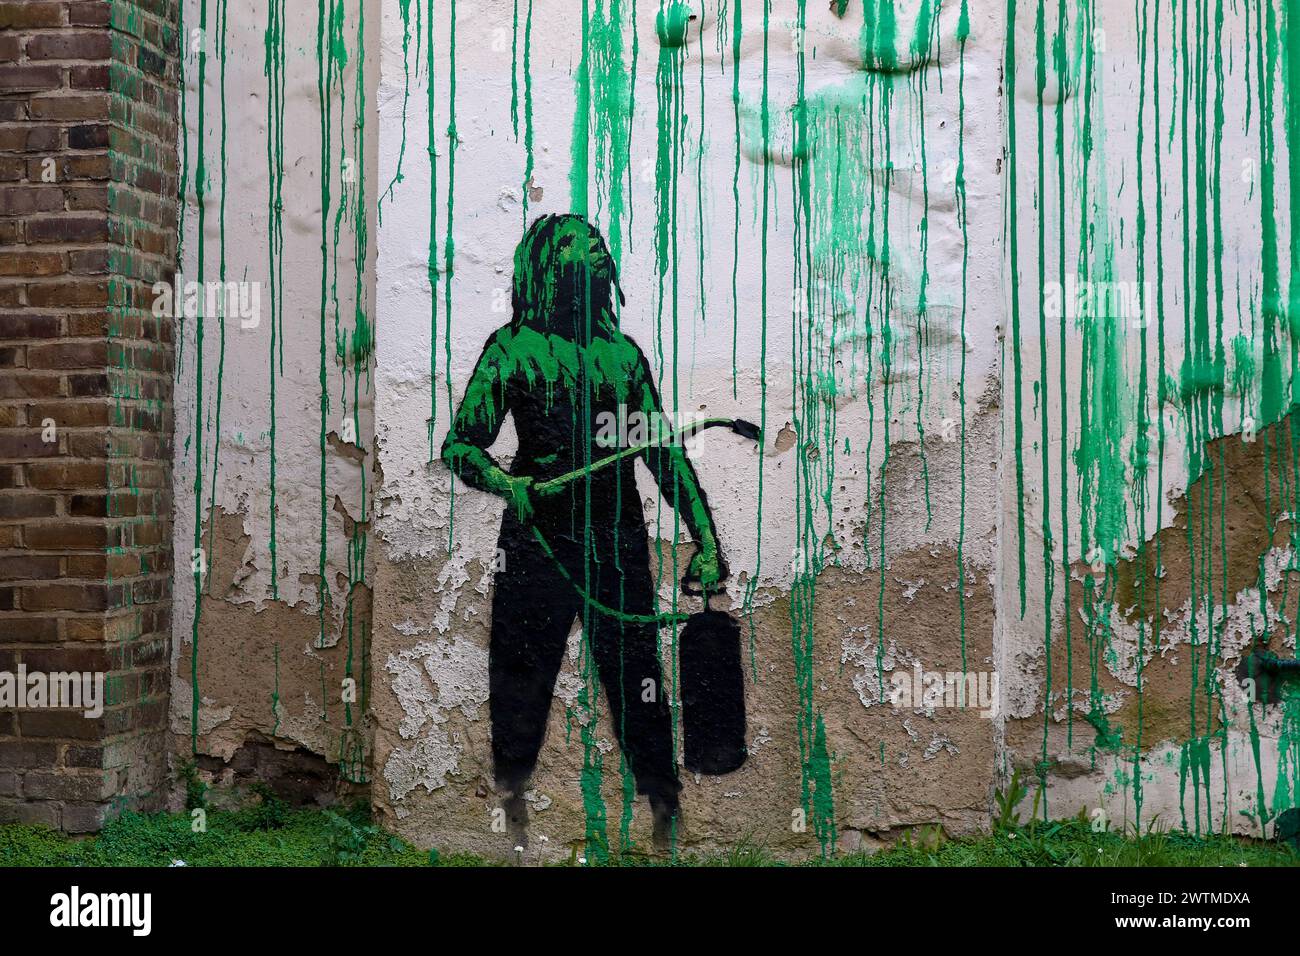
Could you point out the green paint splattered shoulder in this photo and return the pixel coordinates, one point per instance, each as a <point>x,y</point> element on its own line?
<point>618,361</point>
<point>529,358</point>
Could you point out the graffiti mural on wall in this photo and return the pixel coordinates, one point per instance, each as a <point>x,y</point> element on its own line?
<point>761,225</point>
<point>573,542</point>
<point>1007,288</point>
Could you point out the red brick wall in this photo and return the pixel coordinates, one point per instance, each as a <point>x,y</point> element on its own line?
<point>88,183</point>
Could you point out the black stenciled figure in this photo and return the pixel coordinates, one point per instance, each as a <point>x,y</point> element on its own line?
<point>563,370</point>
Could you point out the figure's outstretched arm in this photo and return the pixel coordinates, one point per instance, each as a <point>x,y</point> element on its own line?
<point>680,486</point>
<point>475,428</point>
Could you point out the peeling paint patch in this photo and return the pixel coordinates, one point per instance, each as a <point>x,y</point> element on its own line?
<point>431,680</point>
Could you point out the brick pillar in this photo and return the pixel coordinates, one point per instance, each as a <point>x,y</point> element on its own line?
<point>88,185</point>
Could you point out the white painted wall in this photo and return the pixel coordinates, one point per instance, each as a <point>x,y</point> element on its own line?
<point>431,550</point>
<point>228,386</point>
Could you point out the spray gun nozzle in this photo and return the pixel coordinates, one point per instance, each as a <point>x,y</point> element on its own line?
<point>746,429</point>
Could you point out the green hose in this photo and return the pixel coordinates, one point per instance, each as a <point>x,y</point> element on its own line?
<point>738,425</point>
<point>659,620</point>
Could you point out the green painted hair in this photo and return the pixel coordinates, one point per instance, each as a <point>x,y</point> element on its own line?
<point>561,286</point>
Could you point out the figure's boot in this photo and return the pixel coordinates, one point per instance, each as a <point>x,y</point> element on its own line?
<point>667,815</point>
<point>516,809</point>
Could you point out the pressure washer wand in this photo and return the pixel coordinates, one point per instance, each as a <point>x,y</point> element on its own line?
<point>738,425</point>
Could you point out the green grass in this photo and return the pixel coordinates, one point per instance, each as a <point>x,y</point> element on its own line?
<point>265,835</point>
<point>1073,843</point>
<point>272,834</point>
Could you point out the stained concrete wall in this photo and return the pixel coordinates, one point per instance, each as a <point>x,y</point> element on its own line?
<point>1147,435</point>
<point>849,233</point>
<point>274,401</point>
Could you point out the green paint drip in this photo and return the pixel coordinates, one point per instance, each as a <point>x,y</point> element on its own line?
<point>1141,446</point>
<point>607,125</point>
<point>959,186</point>
<point>357,355</point>
<point>824,216</point>
<point>1013,246</point>
<point>404,8</point>
<point>274,69</point>
<point>923,41</point>
<point>765,122</point>
<point>1292,74</point>
<point>221,315</point>
<point>1062,72</point>
<point>672,24</point>
<point>737,37</point>
<point>183,181</point>
<point>275,693</point>
<point>449,245</point>
<point>580,148</point>
<point>528,110</point>
<point>1049,567</point>
<point>199,559</point>
<point>514,69</point>
<point>1286,788</point>
<point>431,263</point>
<point>331,58</point>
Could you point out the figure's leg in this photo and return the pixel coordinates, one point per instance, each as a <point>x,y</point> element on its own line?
<point>533,610</point>
<point>627,656</point>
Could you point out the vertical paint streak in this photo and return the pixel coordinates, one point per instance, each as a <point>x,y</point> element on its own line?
<point>183,180</point>
<point>580,147</point>
<point>1292,79</point>
<point>959,185</point>
<point>1012,206</point>
<point>1161,374</point>
<point>198,559</point>
<point>431,262</point>
<point>609,91</point>
<point>274,68</point>
<point>1141,444</point>
<point>222,299</point>
<point>737,38</point>
<point>328,53</point>
<point>449,245</point>
<point>528,110</point>
<point>881,53</point>
<point>921,47</point>
<point>1042,394</point>
<point>356,355</point>
<point>813,390</point>
<point>765,122</point>
<point>1271,397</point>
<point>514,69</point>
<point>275,691</point>
<point>404,9</point>
<point>1062,72</point>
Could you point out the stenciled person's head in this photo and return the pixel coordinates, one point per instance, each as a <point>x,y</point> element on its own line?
<point>565,279</point>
